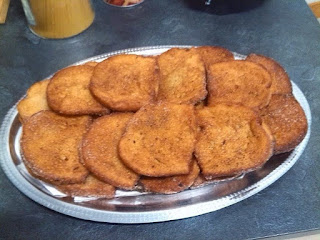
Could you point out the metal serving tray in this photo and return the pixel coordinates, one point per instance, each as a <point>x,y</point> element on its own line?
<point>133,206</point>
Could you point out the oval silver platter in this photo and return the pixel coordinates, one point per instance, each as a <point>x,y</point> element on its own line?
<point>136,207</point>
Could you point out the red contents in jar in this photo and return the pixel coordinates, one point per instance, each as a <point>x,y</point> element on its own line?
<point>123,2</point>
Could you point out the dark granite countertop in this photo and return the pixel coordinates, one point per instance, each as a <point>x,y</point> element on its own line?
<point>285,30</point>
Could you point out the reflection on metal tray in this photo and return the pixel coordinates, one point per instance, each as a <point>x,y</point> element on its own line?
<point>133,206</point>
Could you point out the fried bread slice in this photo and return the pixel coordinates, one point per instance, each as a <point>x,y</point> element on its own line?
<point>240,82</point>
<point>214,54</point>
<point>125,82</point>
<point>91,63</point>
<point>91,187</point>
<point>201,181</point>
<point>286,120</point>
<point>280,80</point>
<point>159,140</point>
<point>35,100</point>
<point>100,151</point>
<point>200,104</point>
<point>231,141</point>
<point>174,184</point>
<point>49,145</point>
<point>68,92</point>
<point>182,76</point>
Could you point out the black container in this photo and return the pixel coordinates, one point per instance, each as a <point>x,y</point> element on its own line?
<point>222,7</point>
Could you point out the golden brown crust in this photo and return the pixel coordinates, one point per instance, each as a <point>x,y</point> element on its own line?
<point>91,187</point>
<point>174,184</point>
<point>182,76</point>
<point>125,82</point>
<point>100,151</point>
<point>68,92</point>
<point>240,82</point>
<point>280,80</point>
<point>35,100</point>
<point>159,140</point>
<point>91,63</point>
<point>49,145</point>
<point>231,141</point>
<point>214,54</point>
<point>200,104</point>
<point>286,120</point>
<point>201,181</point>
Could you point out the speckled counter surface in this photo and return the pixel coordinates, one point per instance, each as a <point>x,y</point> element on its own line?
<point>282,29</point>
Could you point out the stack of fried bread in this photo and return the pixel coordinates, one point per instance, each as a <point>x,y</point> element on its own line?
<point>160,124</point>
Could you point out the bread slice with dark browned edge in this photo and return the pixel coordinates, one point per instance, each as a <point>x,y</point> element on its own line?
<point>286,120</point>
<point>174,184</point>
<point>125,82</point>
<point>201,181</point>
<point>240,82</point>
<point>280,80</point>
<point>50,146</point>
<point>68,92</point>
<point>100,151</point>
<point>214,54</point>
<point>34,101</point>
<point>159,140</point>
<point>91,187</point>
<point>232,140</point>
<point>182,76</point>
